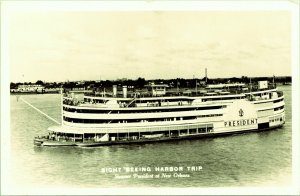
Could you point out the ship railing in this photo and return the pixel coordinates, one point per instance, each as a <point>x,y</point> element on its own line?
<point>191,93</point>
<point>253,97</point>
<point>71,102</point>
<point>60,138</point>
<point>126,138</point>
<point>100,94</point>
<point>280,93</point>
<point>129,104</point>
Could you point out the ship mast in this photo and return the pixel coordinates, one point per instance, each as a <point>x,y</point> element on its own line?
<point>205,75</point>
<point>250,86</point>
<point>61,103</point>
<point>195,83</point>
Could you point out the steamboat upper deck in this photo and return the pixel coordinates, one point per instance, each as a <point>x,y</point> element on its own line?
<point>172,98</point>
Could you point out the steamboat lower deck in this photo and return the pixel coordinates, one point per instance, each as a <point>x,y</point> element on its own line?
<point>45,141</point>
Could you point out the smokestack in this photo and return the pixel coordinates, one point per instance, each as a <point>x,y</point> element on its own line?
<point>114,90</point>
<point>125,91</point>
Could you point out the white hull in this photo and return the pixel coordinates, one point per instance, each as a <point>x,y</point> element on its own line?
<point>167,118</point>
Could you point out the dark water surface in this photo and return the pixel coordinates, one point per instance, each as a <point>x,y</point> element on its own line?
<point>255,159</point>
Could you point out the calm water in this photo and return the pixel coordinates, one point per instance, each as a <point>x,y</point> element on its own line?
<point>255,159</point>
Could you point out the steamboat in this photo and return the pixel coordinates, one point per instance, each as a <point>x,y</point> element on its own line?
<point>157,114</point>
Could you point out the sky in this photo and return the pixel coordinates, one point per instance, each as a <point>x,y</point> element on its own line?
<point>93,45</point>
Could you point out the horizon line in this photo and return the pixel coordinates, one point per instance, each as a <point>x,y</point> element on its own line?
<point>67,80</point>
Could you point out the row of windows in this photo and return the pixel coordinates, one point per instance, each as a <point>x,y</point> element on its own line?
<point>278,100</point>
<point>150,110</point>
<point>270,110</point>
<point>174,100</point>
<point>116,136</point>
<point>95,100</point>
<point>221,98</point>
<point>276,119</point>
<point>278,108</point>
<point>144,135</point>
<point>103,121</point>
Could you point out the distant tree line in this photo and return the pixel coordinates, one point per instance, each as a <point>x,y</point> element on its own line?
<point>141,82</point>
